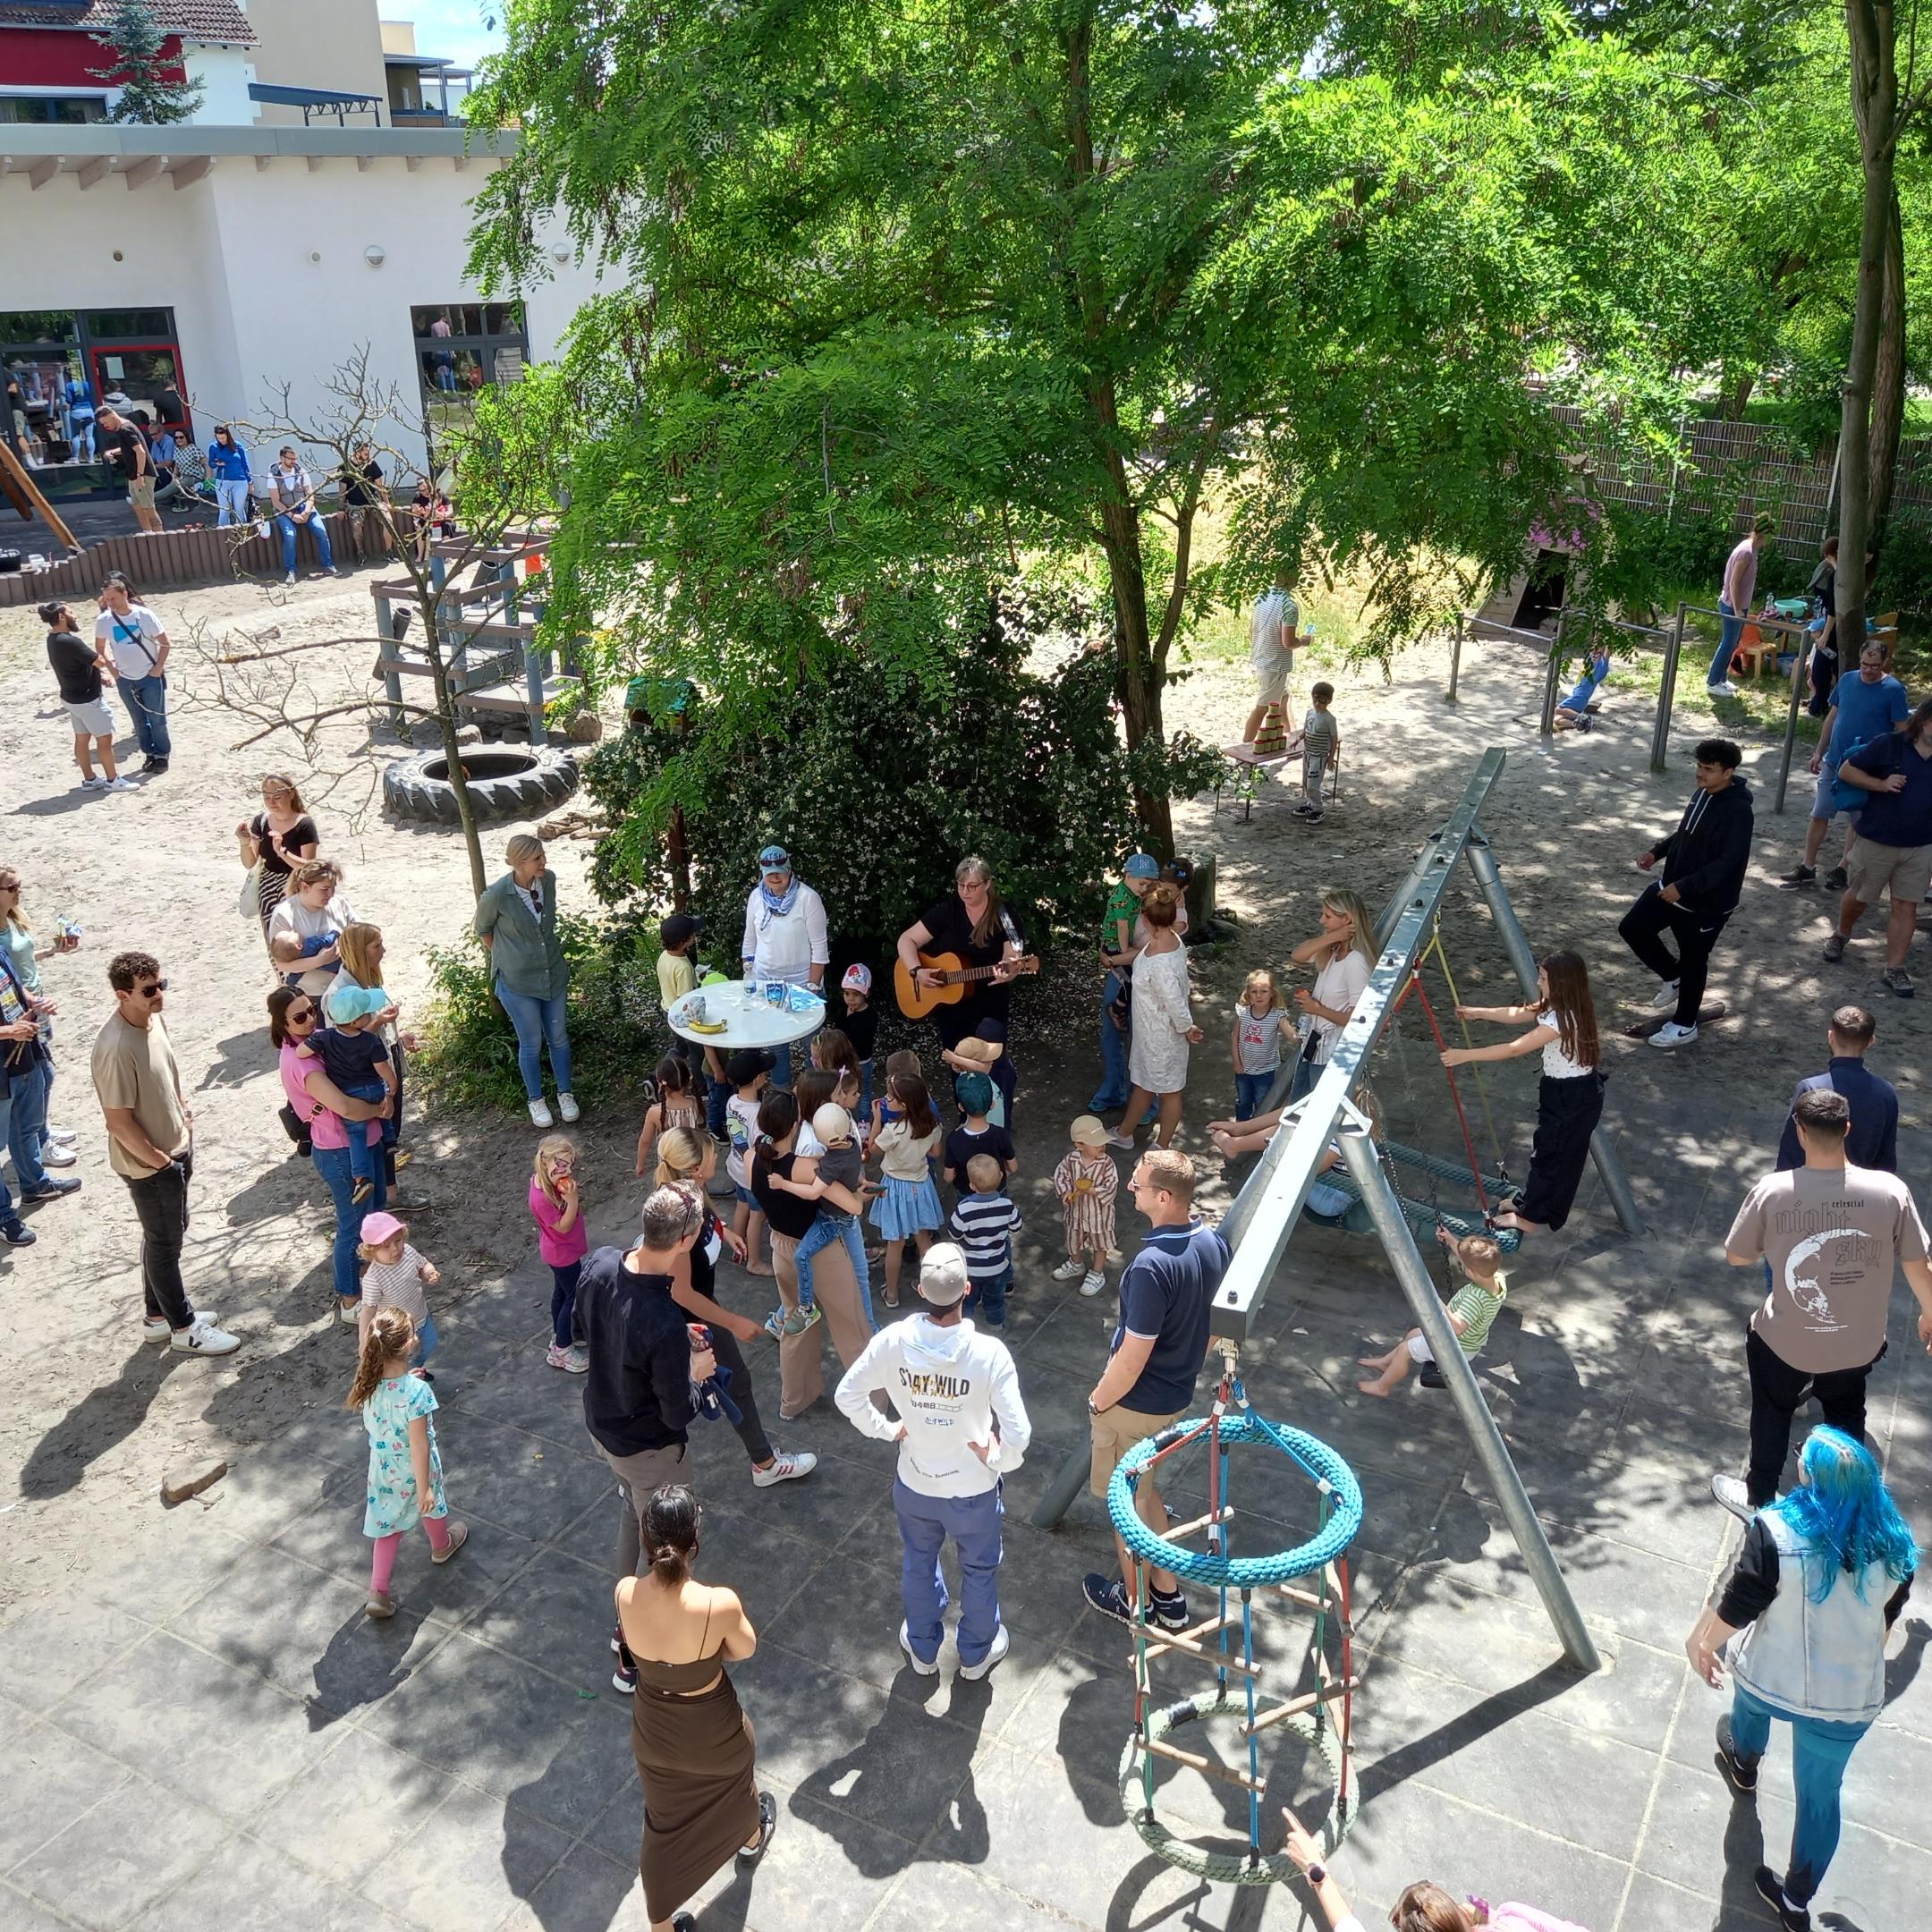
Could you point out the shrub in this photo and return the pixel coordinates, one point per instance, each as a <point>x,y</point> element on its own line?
<point>467,1056</point>
<point>879,783</point>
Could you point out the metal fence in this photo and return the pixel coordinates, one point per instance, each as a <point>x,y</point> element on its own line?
<point>1734,469</point>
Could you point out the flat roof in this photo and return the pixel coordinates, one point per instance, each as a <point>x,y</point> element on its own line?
<point>184,152</point>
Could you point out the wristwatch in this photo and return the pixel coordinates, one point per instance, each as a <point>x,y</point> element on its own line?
<point>1317,1874</point>
<point>1091,1408</point>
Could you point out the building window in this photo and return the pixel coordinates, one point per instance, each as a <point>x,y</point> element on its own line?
<point>52,110</point>
<point>66,364</point>
<point>464,347</point>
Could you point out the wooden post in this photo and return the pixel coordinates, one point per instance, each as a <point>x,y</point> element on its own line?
<point>20,483</point>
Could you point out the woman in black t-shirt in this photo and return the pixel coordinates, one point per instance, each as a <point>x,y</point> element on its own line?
<point>79,667</point>
<point>280,837</point>
<point>970,921</point>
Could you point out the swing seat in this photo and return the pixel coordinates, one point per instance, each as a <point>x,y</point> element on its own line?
<point>1422,1216</point>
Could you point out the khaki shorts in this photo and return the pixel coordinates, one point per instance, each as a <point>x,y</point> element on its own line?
<point>140,493</point>
<point>1272,686</point>
<point>1904,871</point>
<point>1114,1433</point>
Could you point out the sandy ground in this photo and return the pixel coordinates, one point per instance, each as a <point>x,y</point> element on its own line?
<point>95,1419</point>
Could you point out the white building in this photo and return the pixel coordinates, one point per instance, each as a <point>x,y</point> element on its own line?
<point>254,248</point>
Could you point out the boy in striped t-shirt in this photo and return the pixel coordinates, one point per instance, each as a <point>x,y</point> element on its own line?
<point>1472,1311</point>
<point>983,1224</point>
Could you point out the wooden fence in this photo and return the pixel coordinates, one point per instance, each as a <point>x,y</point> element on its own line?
<point>175,559</point>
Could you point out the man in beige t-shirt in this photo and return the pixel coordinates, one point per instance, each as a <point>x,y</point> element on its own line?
<point>1828,1237</point>
<point>150,1145</point>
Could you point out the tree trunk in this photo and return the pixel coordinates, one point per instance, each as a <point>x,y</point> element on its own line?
<point>446,713</point>
<point>1869,23</point>
<point>1888,378</point>
<point>1736,394</point>
<point>1140,677</point>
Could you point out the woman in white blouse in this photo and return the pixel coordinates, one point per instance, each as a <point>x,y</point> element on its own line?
<point>1344,953</point>
<point>1164,1025</point>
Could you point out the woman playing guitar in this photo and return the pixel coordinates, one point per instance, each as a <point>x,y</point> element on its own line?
<point>971,922</point>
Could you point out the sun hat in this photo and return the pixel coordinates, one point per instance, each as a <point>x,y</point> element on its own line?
<point>943,1279</point>
<point>974,1092</point>
<point>1141,865</point>
<point>858,978</point>
<point>744,1066</point>
<point>831,1122</point>
<point>775,859</point>
<point>355,1003</point>
<point>377,1228</point>
<point>1088,1130</point>
<point>678,927</point>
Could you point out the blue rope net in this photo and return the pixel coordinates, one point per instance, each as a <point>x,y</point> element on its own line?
<point>1320,1718</point>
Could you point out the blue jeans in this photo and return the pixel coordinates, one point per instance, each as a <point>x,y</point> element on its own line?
<point>1250,1090</point>
<point>985,1299</point>
<point>833,1225</point>
<point>537,1022</point>
<point>333,1165</point>
<point>147,703</point>
<point>363,1159</point>
<point>1112,1091</point>
<point>564,1300</point>
<point>1729,628</point>
<point>1819,1752</point>
<point>973,1523</point>
<point>865,1089</point>
<point>426,1341</point>
<point>288,526</point>
<point>233,497</point>
<point>26,1125</point>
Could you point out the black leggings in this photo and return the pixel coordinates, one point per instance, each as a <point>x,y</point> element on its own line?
<point>1567,1113</point>
<point>1776,1391</point>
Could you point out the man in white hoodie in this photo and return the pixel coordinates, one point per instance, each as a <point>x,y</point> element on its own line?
<point>961,1427</point>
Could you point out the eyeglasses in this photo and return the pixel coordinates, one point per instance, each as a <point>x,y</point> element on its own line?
<point>297,1014</point>
<point>148,992</point>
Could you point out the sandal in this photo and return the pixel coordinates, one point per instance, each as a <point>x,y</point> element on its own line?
<point>767,1816</point>
<point>889,1301</point>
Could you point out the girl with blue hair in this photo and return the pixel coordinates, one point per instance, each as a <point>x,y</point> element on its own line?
<point>1802,1623</point>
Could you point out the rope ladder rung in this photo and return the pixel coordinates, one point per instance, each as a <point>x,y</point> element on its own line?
<point>1207,1767</point>
<point>1295,1706</point>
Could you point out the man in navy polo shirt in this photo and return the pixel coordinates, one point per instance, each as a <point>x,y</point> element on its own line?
<point>1153,1361</point>
<point>1894,853</point>
<point>1873,1141</point>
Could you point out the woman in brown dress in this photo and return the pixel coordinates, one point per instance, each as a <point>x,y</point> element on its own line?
<point>695,1748</point>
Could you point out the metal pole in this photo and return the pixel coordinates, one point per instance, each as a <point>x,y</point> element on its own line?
<point>1800,668</point>
<point>1667,693</point>
<point>1552,672</point>
<point>1455,658</point>
<point>1522,960</point>
<point>1399,1239</point>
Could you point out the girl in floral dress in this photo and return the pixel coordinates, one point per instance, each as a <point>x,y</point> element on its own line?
<point>1087,1182</point>
<point>405,1471</point>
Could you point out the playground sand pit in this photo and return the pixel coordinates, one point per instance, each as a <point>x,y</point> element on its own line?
<point>1609,1348</point>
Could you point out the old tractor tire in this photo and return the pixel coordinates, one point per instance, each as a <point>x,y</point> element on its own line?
<point>525,782</point>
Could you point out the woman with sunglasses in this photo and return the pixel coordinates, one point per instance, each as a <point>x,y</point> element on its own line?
<point>319,1107</point>
<point>278,838</point>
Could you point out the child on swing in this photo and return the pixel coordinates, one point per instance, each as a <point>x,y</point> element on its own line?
<point>1569,1094</point>
<point>1473,1312</point>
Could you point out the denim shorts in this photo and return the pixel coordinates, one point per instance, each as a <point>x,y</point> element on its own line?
<point>745,1195</point>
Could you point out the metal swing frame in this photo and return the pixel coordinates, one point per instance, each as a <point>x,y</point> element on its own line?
<point>1270,1202</point>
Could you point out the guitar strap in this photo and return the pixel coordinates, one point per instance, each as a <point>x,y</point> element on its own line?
<point>1011,931</point>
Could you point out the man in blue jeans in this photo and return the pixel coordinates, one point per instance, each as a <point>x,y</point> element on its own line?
<point>291,491</point>
<point>132,634</point>
<point>961,1427</point>
<point>1734,603</point>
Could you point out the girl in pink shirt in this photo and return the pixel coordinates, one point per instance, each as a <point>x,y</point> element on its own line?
<point>562,1241</point>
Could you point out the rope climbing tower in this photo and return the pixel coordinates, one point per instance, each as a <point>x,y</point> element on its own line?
<point>1313,1577</point>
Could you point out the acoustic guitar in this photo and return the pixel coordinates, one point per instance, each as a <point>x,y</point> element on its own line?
<point>917,1001</point>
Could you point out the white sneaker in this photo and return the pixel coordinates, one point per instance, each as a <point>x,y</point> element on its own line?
<point>905,1644</point>
<point>57,1153</point>
<point>93,784</point>
<point>349,1313</point>
<point>204,1339</point>
<point>1069,1268</point>
<point>66,1136</point>
<point>1670,1034</point>
<point>1665,999</point>
<point>566,1105</point>
<point>120,785</point>
<point>1731,1491</point>
<point>540,1114</point>
<point>973,1673</point>
<point>155,1327</point>
<point>786,1466</point>
<point>1092,1284</point>
<point>1725,690</point>
<point>290,578</point>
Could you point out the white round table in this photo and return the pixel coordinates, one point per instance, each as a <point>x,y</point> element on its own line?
<point>748,1019</point>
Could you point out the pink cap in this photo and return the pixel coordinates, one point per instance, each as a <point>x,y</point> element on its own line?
<point>378,1228</point>
<point>859,977</point>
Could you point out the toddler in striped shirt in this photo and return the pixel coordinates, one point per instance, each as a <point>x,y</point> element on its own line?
<point>984,1224</point>
<point>395,1277</point>
<point>1472,1311</point>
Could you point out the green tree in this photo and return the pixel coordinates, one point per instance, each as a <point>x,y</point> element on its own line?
<point>921,296</point>
<point>148,96</point>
